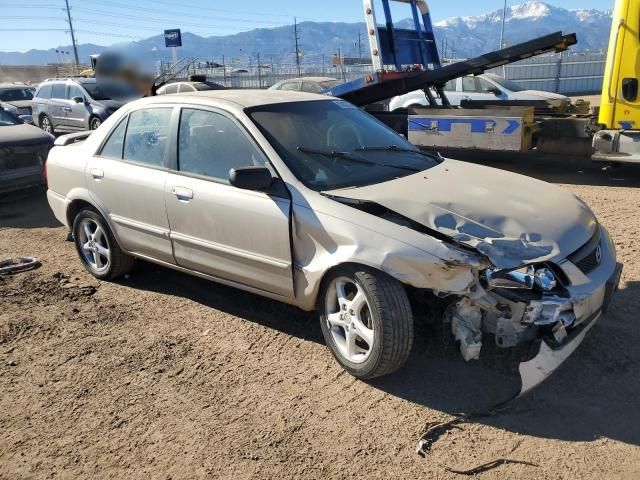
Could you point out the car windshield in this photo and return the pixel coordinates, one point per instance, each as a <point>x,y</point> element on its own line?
<point>16,94</point>
<point>7,119</point>
<point>508,84</point>
<point>330,144</point>
<point>109,91</point>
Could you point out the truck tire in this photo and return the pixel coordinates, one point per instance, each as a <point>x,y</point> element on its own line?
<point>366,321</point>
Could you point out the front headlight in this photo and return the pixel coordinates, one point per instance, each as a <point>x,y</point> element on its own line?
<point>522,278</point>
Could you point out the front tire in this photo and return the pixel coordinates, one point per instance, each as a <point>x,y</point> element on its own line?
<point>366,321</point>
<point>94,123</point>
<point>97,247</point>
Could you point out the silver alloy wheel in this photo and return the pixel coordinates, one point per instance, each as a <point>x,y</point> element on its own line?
<point>349,319</point>
<point>45,123</point>
<point>95,123</point>
<point>94,245</point>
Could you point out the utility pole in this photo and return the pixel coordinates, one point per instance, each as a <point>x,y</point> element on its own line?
<point>259,72</point>
<point>295,32</point>
<point>504,18</point>
<point>359,45</point>
<point>73,37</point>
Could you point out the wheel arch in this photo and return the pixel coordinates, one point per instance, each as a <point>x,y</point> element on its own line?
<point>78,202</point>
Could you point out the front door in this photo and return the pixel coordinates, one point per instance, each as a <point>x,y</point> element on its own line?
<point>77,113</point>
<point>237,235</point>
<point>127,180</point>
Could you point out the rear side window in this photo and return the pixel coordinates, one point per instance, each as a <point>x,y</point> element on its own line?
<point>58,90</point>
<point>311,87</point>
<point>290,86</point>
<point>450,86</point>
<point>147,137</point>
<point>185,87</point>
<point>44,91</point>
<point>114,146</point>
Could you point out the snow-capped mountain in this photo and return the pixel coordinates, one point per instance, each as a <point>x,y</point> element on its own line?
<point>464,36</point>
<point>470,36</point>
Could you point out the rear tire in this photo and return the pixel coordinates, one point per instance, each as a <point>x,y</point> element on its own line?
<point>366,321</point>
<point>98,249</point>
<point>46,125</point>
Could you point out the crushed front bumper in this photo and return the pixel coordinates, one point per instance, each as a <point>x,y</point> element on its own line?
<point>553,353</point>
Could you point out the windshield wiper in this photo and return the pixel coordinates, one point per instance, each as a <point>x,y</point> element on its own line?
<point>393,148</point>
<point>347,156</point>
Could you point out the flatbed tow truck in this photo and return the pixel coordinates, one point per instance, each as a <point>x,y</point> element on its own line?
<point>406,60</point>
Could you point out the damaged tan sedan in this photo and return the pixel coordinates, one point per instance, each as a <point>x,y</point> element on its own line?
<point>308,200</point>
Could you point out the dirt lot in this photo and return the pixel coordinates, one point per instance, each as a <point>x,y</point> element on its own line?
<point>162,375</point>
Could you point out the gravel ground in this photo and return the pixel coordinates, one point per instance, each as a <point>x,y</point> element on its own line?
<point>163,375</point>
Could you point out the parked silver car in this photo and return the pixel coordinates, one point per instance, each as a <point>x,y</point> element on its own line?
<point>306,84</point>
<point>76,104</point>
<point>306,199</point>
<point>485,87</point>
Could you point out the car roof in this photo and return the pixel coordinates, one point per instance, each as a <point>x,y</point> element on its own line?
<point>244,98</point>
<point>6,86</point>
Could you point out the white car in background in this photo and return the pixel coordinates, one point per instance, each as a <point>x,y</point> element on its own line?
<point>481,87</point>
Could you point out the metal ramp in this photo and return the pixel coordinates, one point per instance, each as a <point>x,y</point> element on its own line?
<point>382,84</point>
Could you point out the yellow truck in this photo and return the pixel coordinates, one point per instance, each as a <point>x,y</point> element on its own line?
<point>619,117</point>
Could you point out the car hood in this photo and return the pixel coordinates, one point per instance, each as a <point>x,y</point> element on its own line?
<point>115,104</point>
<point>511,219</point>
<point>22,135</point>
<point>19,103</point>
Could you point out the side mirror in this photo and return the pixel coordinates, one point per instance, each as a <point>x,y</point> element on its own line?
<point>78,99</point>
<point>496,91</point>
<point>251,178</point>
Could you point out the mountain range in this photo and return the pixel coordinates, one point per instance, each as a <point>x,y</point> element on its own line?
<point>460,36</point>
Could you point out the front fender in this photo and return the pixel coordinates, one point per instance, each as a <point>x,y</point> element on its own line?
<point>322,242</point>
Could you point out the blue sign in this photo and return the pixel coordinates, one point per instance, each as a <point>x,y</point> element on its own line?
<point>172,38</point>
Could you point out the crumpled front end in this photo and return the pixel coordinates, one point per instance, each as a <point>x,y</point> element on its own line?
<point>550,306</point>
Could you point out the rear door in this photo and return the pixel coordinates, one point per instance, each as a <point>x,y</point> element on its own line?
<point>127,180</point>
<point>237,235</point>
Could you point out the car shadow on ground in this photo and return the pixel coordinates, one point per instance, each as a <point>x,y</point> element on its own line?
<point>594,394</point>
<point>26,209</point>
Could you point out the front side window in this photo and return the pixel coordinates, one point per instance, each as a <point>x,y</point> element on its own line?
<point>211,144</point>
<point>114,145</point>
<point>330,144</point>
<point>147,137</point>
<point>450,86</point>
<point>58,90</point>
<point>74,91</point>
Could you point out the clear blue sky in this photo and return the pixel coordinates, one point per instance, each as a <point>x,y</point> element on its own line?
<point>40,24</point>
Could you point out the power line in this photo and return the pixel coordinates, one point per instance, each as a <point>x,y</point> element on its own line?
<point>235,12</point>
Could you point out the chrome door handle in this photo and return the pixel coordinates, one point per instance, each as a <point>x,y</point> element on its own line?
<point>183,194</point>
<point>67,109</point>
<point>97,173</point>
